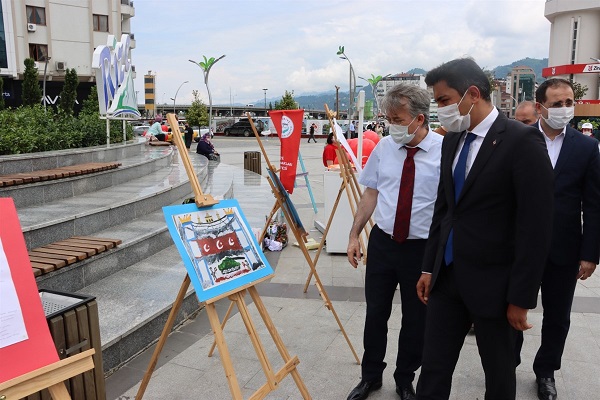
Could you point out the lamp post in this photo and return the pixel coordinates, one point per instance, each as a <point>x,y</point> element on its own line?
<point>45,59</point>
<point>337,102</point>
<point>206,65</point>
<point>343,56</point>
<point>265,90</point>
<point>175,98</point>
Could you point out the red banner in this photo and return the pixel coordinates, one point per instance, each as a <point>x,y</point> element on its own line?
<point>571,69</point>
<point>288,124</point>
<point>220,244</point>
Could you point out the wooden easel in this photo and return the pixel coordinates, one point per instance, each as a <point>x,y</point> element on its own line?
<point>236,297</point>
<point>351,187</point>
<point>299,233</point>
<point>50,377</point>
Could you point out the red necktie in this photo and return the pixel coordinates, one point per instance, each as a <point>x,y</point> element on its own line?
<point>405,197</point>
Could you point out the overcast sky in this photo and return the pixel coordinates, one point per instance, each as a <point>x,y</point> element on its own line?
<point>292,44</point>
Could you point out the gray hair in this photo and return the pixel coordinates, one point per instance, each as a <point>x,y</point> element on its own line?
<point>417,99</point>
<point>527,103</point>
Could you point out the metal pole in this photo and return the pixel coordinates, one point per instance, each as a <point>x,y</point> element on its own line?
<point>265,101</point>
<point>175,98</point>
<point>46,59</point>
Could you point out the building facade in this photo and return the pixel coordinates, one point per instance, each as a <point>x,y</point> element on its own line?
<point>575,48</point>
<point>57,34</point>
<point>520,85</point>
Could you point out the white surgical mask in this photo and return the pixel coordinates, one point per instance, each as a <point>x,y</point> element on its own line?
<point>399,133</point>
<point>558,118</point>
<point>451,119</point>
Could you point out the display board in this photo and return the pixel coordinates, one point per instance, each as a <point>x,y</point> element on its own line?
<point>25,341</point>
<point>217,246</point>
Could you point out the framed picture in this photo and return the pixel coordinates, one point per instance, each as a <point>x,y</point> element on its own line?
<point>217,246</point>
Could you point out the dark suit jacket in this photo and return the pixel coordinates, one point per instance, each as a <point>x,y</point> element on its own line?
<point>576,189</point>
<point>502,221</point>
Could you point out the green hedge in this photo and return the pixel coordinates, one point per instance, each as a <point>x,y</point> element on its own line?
<point>31,129</point>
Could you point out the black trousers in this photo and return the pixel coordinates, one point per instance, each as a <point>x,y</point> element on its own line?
<point>558,289</point>
<point>448,321</point>
<point>389,264</point>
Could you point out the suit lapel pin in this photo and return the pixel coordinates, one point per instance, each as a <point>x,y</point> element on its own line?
<point>494,143</point>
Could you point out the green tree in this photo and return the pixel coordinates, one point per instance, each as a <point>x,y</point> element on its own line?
<point>197,115</point>
<point>287,102</point>
<point>32,94</point>
<point>1,94</point>
<point>69,92</point>
<point>579,90</point>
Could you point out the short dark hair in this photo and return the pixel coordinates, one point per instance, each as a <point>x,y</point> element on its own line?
<point>460,74</point>
<point>540,93</point>
<point>330,138</point>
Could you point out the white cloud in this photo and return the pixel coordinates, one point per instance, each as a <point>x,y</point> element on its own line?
<point>290,45</point>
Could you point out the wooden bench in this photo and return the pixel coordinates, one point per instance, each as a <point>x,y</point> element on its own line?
<point>66,252</point>
<point>56,173</point>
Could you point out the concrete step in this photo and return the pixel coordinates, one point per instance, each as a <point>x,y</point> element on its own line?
<point>132,167</point>
<point>88,213</point>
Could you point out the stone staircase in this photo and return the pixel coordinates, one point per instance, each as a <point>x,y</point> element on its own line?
<point>135,283</point>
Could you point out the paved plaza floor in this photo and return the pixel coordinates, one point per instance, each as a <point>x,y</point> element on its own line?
<point>310,331</point>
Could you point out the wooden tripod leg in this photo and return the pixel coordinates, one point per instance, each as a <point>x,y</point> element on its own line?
<point>255,339</point>
<point>234,386</point>
<point>329,306</point>
<point>163,336</point>
<point>262,310</point>
<point>227,314</point>
<point>59,392</point>
<point>329,221</point>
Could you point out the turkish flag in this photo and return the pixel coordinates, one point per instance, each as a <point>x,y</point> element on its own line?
<point>210,246</point>
<point>288,124</point>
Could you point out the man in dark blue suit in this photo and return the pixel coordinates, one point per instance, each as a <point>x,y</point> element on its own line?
<point>489,236</point>
<point>574,249</point>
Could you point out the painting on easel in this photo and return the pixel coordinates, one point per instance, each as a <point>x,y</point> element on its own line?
<point>217,246</point>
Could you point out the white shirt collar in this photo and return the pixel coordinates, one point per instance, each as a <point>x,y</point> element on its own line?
<point>484,126</point>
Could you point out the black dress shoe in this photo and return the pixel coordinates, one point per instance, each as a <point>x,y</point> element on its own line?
<point>546,389</point>
<point>363,389</point>
<point>406,392</point>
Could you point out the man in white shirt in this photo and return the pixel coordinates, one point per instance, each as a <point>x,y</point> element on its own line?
<point>401,179</point>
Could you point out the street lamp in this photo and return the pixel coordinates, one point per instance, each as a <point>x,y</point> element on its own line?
<point>206,65</point>
<point>175,98</point>
<point>373,81</point>
<point>343,56</point>
<point>265,100</point>
<point>45,59</point>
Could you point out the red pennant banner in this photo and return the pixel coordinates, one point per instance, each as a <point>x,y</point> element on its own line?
<point>288,124</point>
<point>227,242</point>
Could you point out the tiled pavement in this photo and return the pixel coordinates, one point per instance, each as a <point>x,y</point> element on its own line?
<point>309,330</point>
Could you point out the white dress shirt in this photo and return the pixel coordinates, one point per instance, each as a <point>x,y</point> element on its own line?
<point>553,146</point>
<point>383,172</point>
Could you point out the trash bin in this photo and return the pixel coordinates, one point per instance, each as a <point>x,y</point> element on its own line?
<point>252,161</point>
<point>74,327</point>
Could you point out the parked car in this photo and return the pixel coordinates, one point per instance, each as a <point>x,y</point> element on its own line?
<point>140,130</point>
<point>239,128</point>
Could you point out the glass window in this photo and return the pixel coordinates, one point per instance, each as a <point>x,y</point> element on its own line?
<point>100,23</point>
<point>36,15</point>
<point>38,52</point>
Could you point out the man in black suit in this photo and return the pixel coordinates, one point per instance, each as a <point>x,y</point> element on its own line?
<point>489,236</point>
<point>574,249</point>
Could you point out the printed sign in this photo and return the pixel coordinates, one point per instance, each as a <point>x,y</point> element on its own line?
<point>114,79</point>
<point>218,248</point>
<point>288,124</point>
